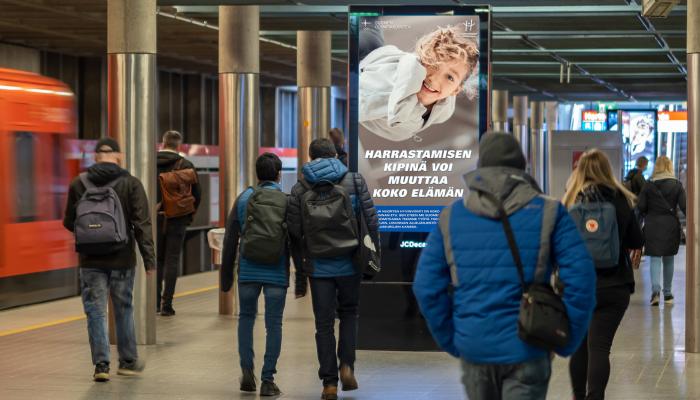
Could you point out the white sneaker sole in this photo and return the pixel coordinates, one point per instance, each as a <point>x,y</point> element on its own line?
<point>128,372</point>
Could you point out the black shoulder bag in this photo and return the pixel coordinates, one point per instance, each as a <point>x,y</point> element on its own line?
<point>543,321</point>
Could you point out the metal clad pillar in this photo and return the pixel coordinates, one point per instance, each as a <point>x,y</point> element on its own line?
<point>692,300</point>
<point>239,110</point>
<point>552,119</point>
<point>520,121</point>
<point>536,156</point>
<point>314,83</point>
<point>499,111</point>
<point>131,120</point>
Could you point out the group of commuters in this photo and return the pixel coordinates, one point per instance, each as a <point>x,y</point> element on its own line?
<point>475,280</point>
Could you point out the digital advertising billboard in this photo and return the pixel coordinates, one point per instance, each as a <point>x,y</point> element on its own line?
<point>419,84</point>
<point>638,137</point>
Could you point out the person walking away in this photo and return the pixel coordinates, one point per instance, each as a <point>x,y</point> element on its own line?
<point>322,221</point>
<point>471,303</point>
<point>256,233</point>
<point>658,203</point>
<point>177,206</point>
<point>338,139</point>
<point>107,210</point>
<point>634,181</point>
<point>594,184</point>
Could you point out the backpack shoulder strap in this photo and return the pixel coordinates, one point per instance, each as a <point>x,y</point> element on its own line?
<point>549,221</point>
<point>444,225</point>
<point>86,182</point>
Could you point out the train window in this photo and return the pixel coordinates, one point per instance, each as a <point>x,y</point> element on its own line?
<point>59,190</point>
<point>25,205</point>
<point>286,116</point>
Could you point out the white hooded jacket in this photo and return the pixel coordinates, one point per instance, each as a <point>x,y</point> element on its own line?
<point>390,80</point>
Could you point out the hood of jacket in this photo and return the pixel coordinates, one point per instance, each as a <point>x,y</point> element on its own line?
<point>324,169</point>
<point>104,172</point>
<point>167,158</point>
<point>512,186</point>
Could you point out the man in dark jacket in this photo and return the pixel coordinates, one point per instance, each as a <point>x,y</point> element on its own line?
<point>477,321</point>
<point>634,181</point>
<point>333,280</point>
<point>171,231</point>
<point>113,274</point>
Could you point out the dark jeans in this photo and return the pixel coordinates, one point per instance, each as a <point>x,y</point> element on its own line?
<point>330,297</point>
<point>95,285</point>
<point>525,381</point>
<point>590,365</point>
<point>170,242</point>
<point>275,297</point>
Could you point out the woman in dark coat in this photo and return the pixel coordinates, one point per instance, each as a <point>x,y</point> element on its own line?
<point>658,203</point>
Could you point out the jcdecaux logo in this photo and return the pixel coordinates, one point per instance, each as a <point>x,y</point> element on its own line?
<point>411,244</point>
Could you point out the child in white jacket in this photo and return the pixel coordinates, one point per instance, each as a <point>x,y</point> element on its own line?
<point>404,93</point>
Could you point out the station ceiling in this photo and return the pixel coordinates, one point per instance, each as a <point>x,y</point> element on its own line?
<point>612,52</point>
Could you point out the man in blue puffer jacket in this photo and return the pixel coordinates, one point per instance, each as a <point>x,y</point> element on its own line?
<point>335,282</point>
<point>478,322</point>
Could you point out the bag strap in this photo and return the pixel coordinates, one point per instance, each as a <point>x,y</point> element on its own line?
<point>444,225</point>
<point>549,221</point>
<point>672,210</point>
<point>515,253</point>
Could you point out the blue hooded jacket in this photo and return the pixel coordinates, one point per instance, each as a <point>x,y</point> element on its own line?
<point>332,170</point>
<point>478,322</point>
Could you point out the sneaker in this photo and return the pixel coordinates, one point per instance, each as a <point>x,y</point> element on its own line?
<point>248,381</point>
<point>329,392</point>
<point>268,388</point>
<point>101,372</point>
<point>347,378</point>
<point>654,300</point>
<point>167,311</point>
<point>130,368</point>
<point>668,299</point>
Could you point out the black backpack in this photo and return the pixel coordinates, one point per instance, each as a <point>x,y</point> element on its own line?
<point>100,224</point>
<point>264,238</point>
<point>328,220</point>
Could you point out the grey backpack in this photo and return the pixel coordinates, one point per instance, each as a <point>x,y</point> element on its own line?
<point>596,220</point>
<point>100,226</point>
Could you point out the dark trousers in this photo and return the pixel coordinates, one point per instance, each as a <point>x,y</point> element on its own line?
<point>330,297</point>
<point>590,365</point>
<point>524,381</point>
<point>171,238</point>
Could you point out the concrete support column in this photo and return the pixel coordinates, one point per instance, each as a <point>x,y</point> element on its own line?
<point>692,300</point>
<point>131,120</point>
<point>239,111</point>
<point>520,130</point>
<point>314,83</point>
<point>552,119</point>
<point>536,155</point>
<point>499,111</point>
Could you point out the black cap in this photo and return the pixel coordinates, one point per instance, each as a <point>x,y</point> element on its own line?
<point>498,149</point>
<point>107,142</point>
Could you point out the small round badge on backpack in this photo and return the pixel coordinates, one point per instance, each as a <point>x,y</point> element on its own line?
<point>592,226</point>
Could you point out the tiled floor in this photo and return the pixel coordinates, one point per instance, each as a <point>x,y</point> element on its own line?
<point>196,356</point>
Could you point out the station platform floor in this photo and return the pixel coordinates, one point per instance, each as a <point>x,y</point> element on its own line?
<point>44,354</point>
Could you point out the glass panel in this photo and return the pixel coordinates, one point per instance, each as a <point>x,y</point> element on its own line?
<point>25,205</point>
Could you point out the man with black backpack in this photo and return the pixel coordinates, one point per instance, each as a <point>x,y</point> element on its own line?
<point>256,228</point>
<point>325,208</point>
<point>107,210</point>
<point>635,181</point>
<point>179,195</point>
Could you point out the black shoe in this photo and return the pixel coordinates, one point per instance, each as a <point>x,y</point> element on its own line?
<point>668,299</point>
<point>268,388</point>
<point>248,381</point>
<point>130,368</point>
<point>167,311</point>
<point>654,300</point>
<point>101,372</point>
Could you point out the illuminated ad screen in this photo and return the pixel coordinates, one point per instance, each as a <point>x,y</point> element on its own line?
<point>638,137</point>
<point>418,87</point>
<point>594,121</point>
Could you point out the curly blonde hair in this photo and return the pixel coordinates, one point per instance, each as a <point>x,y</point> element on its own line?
<point>447,44</point>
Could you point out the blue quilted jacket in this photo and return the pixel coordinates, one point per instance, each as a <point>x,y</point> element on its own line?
<point>478,322</point>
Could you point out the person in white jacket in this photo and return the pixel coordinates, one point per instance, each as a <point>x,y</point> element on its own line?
<point>403,93</point>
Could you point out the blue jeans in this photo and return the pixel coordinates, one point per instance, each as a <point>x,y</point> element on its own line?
<point>275,297</point>
<point>655,268</point>
<point>524,381</point>
<point>95,285</point>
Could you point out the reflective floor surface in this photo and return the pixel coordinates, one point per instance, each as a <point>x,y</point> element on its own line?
<point>196,355</point>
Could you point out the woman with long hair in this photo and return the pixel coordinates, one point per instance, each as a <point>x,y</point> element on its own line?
<point>593,180</point>
<point>658,203</point>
